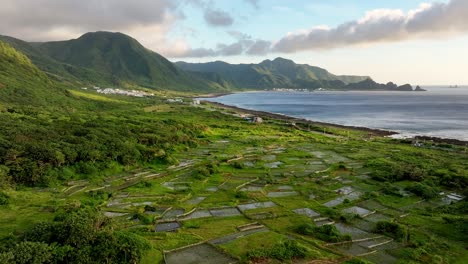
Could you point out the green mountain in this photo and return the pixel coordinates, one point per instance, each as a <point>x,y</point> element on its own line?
<point>22,83</point>
<point>104,58</point>
<point>279,73</point>
<point>57,70</point>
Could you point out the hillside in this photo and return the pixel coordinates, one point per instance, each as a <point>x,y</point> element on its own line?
<point>111,59</point>
<point>126,60</point>
<point>22,83</point>
<point>273,74</point>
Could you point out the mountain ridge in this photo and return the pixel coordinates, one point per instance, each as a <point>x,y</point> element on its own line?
<point>283,73</point>
<point>115,59</point>
<point>111,59</point>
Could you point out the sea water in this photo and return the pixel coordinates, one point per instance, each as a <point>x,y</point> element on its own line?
<point>438,112</point>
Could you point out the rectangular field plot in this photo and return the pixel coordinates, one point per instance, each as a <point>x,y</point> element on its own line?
<point>198,254</point>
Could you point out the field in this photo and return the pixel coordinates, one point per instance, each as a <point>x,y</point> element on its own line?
<point>273,192</point>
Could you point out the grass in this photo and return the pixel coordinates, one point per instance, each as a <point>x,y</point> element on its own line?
<point>253,142</point>
<point>240,247</point>
<point>214,227</point>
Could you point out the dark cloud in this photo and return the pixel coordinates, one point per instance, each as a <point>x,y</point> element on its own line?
<point>218,18</point>
<point>430,20</point>
<point>48,17</point>
<point>259,47</point>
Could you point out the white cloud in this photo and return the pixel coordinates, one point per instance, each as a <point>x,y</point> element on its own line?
<point>383,25</point>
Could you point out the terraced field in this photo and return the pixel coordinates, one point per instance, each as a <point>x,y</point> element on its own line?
<point>249,187</point>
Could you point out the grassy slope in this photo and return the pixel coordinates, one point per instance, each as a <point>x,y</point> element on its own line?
<point>22,83</point>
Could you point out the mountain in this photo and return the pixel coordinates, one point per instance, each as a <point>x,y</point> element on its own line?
<point>279,73</point>
<point>370,84</point>
<point>115,59</point>
<point>22,83</point>
<point>105,58</point>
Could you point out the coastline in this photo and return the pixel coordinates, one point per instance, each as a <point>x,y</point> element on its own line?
<point>371,131</point>
<point>263,114</point>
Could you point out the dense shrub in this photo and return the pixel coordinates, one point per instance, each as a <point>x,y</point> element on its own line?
<point>328,233</point>
<point>390,229</point>
<point>423,190</point>
<point>4,199</point>
<point>80,236</point>
<point>287,250</point>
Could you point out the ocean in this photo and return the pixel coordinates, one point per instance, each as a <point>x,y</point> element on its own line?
<point>439,112</point>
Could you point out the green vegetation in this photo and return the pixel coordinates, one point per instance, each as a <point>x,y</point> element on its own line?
<point>92,178</point>
<point>390,229</point>
<point>285,73</point>
<point>327,233</point>
<point>77,236</point>
<point>287,250</point>
<point>112,59</point>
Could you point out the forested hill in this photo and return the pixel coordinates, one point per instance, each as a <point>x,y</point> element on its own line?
<point>22,83</point>
<point>279,73</point>
<point>283,73</point>
<point>115,59</point>
<point>105,58</point>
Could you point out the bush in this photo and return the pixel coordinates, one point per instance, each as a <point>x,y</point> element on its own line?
<point>390,189</point>
<point>328,233</point>
<point>390,229</point>
<point>282,251</point>
<point>237,165</point>
<point>423,190</point>
<point>143,218</point>
<point>79,236</point>
<point>4,199</point>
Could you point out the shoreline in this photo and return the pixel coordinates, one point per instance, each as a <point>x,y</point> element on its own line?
<point>371,131</point>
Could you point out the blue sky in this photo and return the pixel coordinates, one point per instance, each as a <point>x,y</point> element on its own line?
<point>275,18</point>
<point>415,41</point>
<point>411,60</point>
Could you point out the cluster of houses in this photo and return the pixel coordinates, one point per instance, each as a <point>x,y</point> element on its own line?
<point>290,90</point>
<point>134,93</point>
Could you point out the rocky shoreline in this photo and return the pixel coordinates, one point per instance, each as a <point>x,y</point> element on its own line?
<point>371,131</point>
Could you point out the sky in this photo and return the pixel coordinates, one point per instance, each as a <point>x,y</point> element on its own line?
<point>405,41</point>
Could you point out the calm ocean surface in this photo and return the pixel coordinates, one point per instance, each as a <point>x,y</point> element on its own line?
<point>439,112</point>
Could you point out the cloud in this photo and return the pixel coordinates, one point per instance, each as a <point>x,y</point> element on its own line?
<point>218,18</point>
<point>58,19</point>
<point>244,44</point>
<point>434,20</point>
<point>254,3</point>
<point>213,16</point>
<point>383,25</point>
<point>259,47</point>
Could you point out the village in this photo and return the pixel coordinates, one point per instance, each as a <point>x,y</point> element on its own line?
<point>117,91</point>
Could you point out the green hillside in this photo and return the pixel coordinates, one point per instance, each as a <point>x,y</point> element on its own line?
<point>22,83</point>
<point>273,74</point>
<point>112,59</point>
<point>126,60</point>
<point>62,72</point>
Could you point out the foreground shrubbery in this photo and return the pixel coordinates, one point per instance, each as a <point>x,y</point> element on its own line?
<point>50,147</point>
<point>282,251</point>
<point>391,229</point>
<point>78,236</point>
<point>328,233</point>
<point>4,199</point>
